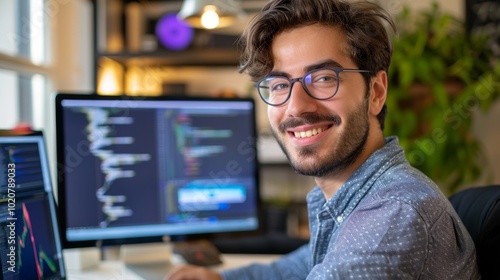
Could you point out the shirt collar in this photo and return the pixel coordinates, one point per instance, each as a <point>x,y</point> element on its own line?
<point>343,202</point>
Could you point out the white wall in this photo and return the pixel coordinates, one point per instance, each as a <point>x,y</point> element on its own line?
<point>73,47</point>
<point>9,97</point>
<point>72,61</point>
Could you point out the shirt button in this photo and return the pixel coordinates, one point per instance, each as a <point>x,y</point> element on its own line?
<point>340,219</point>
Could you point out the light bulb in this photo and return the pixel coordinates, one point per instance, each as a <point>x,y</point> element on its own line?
<point>210,18</point>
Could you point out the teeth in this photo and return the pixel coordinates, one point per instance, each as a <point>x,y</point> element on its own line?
<point>309,133</point>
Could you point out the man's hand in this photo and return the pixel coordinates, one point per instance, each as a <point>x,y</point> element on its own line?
<point>191,272</point>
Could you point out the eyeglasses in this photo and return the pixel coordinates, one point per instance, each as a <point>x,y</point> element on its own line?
<point>321,84</point>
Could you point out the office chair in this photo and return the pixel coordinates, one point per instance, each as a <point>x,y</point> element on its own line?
<point>479,209</point>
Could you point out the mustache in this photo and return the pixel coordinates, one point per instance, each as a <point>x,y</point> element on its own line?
<point>308,119</point>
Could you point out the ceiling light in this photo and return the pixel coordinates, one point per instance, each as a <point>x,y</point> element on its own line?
<point>210,14</point>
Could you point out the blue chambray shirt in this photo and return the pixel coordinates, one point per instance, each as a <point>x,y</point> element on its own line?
<point>388,221</point>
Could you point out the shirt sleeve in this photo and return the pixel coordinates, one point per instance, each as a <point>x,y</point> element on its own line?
<point>292,266</point>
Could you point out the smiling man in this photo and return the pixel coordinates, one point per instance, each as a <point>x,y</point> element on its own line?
<point>321,66</point>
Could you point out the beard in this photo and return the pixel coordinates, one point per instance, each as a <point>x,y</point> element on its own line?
<point>350,143</point>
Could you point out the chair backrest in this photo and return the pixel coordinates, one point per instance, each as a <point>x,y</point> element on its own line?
<point>479,209</point>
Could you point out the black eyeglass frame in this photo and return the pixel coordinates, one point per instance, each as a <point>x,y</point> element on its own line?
<point>301,80</point>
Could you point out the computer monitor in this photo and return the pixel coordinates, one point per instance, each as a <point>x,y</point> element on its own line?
<point>135,168</point>
<point>29,237</point>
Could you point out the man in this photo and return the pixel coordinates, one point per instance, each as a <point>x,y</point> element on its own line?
<point>321,66</point>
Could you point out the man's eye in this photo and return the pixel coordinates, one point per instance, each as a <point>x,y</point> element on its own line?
<point>325,79</point>
<point>279,87</point>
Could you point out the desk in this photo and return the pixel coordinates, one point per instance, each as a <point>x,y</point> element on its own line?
<point>115,269</point>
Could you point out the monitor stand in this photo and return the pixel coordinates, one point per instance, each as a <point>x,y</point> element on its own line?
<point>150,261</point>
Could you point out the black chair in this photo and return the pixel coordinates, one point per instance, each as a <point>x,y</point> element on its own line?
<point>479,209</point>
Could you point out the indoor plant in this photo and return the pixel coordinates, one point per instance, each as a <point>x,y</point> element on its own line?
<point>439,75</point>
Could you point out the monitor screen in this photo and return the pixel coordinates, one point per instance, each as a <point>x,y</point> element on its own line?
<point>29,237</point>
<point>132,168</point>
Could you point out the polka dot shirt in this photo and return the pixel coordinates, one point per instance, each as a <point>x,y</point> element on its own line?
<point>388,221</point>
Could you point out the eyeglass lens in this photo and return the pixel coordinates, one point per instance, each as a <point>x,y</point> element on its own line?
<point>320,84</point>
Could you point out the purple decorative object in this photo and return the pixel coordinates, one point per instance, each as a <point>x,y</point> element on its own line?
<point>173,33</point>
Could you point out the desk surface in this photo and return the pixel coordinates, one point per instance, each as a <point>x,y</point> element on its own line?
<point>115,269</point>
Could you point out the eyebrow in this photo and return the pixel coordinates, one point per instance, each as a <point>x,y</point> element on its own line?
<point>323,64</point>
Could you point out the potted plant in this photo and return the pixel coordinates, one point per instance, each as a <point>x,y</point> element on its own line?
<point>438,76</point>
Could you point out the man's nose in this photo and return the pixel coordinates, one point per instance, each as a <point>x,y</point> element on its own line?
<point>300,102</point>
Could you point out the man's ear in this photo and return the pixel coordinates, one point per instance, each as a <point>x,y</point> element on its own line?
<point>378,92</point>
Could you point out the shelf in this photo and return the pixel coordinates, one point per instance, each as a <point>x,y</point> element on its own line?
<point>205,57</point>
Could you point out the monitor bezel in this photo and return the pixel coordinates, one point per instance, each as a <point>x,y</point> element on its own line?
<point>60,177</point>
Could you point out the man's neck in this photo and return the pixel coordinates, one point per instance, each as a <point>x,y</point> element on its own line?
<point>331,183</point>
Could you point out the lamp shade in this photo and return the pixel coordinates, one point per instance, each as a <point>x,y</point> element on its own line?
<point>210,13</point>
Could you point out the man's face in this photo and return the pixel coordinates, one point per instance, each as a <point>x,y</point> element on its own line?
<point>319,137</point>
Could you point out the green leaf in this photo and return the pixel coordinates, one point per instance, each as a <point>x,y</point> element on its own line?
<point>441,96</point>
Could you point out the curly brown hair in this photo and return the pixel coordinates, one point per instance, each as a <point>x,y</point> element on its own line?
<point>362,23</point>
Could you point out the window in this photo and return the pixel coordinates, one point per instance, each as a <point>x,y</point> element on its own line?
<point>24,61</point>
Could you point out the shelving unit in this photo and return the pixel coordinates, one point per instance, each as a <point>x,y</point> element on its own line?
<point>124,34</point>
